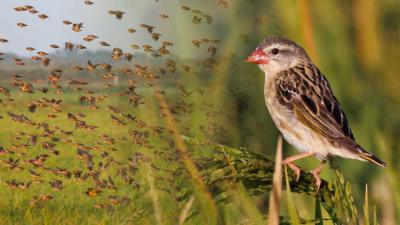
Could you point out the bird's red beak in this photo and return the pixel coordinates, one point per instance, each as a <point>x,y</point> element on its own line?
<point>258,56</point>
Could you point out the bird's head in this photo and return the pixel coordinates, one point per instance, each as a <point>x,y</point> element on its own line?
<point>276,54</point>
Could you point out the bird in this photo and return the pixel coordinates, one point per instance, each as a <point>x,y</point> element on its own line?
<point>77,27</point>
<point>118,14</point>
<point>302,105</point>
<point>43,16</point>
<point>87,2</point>
<point>22,25</point>
<point>89,37</point>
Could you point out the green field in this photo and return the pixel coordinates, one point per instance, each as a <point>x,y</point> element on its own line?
<point>18,205</point>
<point>134,172</point>
<point>133,167</point>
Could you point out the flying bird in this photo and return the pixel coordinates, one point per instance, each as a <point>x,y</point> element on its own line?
<point>303,106</point>
<point>118,14</point>
<point>77,27</point>
<point>69,46</point>
<point>22,25</point>
<point>131,30</point>
<point>67,22</point>
<point>89,37</point>
<point>103,43</point>
<point>43,16</point>
<point>87,2</point>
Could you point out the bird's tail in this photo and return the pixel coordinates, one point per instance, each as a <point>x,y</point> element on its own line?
<point>371,158</point>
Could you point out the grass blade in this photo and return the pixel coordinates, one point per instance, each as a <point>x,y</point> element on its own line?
<point>366,207</point>
<point>375,217</point>
<point>294,218</point>
<point>154,196</point>
<point>275,197</point>
<point>185,211</point>
<point>242,196</point>
<point>318,212</point>
<point>190,166</point>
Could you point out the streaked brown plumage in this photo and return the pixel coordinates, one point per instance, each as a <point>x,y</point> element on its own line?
<point>303,107</point>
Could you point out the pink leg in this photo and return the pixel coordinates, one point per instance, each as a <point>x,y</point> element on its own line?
<point>289,162</point>
<point>316,173</point>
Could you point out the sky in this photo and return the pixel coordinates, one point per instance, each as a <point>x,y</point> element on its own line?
<point>39,34</point>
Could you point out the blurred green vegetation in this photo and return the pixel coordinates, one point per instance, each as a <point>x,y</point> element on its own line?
<point>356,45</point>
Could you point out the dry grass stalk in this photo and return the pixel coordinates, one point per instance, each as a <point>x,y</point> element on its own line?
<point>154,196</point>
<point>275,196</point>
<point>183,152</point>
<point>185,211</point>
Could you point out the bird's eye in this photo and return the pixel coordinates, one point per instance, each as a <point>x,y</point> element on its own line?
<point>275,51</point>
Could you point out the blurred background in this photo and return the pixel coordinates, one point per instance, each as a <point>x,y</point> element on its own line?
<point>355,44</point>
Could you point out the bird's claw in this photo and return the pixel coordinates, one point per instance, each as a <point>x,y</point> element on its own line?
<point>317,177</point>
<point>294,168</point>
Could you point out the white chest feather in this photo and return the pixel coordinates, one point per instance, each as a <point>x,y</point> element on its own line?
<point>294,132</point>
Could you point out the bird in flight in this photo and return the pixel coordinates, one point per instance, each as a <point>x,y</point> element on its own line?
<point>303,107</point>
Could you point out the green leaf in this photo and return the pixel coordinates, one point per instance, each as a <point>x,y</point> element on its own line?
<point>318,212</point>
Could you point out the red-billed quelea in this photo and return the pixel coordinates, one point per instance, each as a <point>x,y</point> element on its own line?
<point>303,107</point>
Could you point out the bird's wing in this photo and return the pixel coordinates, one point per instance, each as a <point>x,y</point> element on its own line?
<point>306,92</point>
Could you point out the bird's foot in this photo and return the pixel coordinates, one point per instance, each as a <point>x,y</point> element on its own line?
<point>317,178</point>
<point>294,168</point>
<point>289,162</point>
<point>316,173</point>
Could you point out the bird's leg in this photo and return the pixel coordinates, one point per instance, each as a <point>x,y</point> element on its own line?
<point>289,162</point>
<point>316,173</point>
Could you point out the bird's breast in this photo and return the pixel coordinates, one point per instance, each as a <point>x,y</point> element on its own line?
<point>278,112</point>
<point>291,128</point>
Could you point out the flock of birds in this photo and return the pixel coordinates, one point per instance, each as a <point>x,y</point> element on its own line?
<point>97,157</point>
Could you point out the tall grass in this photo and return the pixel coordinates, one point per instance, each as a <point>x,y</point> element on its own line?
<point>276,193</point>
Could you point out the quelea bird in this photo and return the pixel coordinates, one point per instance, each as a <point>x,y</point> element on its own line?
<point>303,107</point>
